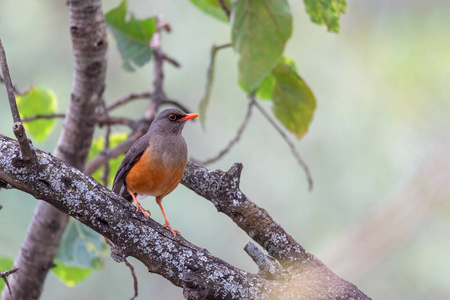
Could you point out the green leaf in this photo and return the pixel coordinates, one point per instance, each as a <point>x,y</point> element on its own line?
<point>80,251</point>
<point>132,36</point>
<point>293,101</point>
<point>265,90</point>
<point>97,147</point>
<point>37,101</point>
<point>260,29</point>
<point>212,8</point>
<point>81,246</point>
<point>6,264</point>
<point>70,275</point>
<point>326,12</point>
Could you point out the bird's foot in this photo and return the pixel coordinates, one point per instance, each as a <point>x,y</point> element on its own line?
<point>146,212</point>
<point>174,232</point>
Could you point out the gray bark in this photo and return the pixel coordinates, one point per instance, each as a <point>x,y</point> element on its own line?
<point>288,273</point>
<point>88,31</point>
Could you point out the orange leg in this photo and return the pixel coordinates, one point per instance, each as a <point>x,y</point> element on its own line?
<point>138,205</point>
<point>166,223</point>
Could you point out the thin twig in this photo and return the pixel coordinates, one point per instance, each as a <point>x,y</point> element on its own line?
<point>106,145</point>
<point>204,102</point>
<point>268,266</point>
<point>15,89</point>
<point>234,140</point>
<point>171,60</point>
<point>99,160</point>
<point>286,139</point>
<point>225,8</point>
<point>38,117</point>
<point>4,275</point>
<point>28,153</point>
<point>128,98</point>
<point>9,85</point>
<point>176,104</point>
<point>133,274</point>
<point>220,47</point>
<point>103,120</point>
<point>158,71</point>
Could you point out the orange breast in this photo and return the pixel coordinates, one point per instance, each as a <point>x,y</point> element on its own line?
<point>155,175</point>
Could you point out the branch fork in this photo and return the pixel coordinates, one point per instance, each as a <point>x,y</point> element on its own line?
<point>201,275</point>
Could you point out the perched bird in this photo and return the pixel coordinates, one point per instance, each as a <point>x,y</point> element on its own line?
<point>155,164</point>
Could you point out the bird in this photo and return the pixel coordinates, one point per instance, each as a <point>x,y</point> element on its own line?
<point>155,163</point>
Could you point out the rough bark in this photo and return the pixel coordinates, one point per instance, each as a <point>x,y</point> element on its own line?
<point>89,40</point>
<point>295,273</point>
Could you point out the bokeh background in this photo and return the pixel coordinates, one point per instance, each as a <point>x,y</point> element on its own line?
<point>378,146</point>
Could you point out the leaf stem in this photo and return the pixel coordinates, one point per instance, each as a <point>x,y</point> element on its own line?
<point>286,139</point>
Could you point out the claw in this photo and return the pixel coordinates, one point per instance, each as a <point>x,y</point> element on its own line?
<point>174,232</point>
<point>139,207</point>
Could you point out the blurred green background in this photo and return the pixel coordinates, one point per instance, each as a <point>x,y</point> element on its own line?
<point>378,146</point>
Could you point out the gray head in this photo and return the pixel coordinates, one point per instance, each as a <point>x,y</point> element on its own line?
<point>170,121</point>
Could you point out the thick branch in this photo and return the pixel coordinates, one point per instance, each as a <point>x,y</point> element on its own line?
<point>201,275</point>
<point>222,189</point>
<point>181,262</point>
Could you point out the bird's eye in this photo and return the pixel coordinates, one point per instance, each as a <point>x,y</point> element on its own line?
<point>172,117</point>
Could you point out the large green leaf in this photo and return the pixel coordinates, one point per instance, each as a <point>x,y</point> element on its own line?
<point>37,101</point>
<point>260,29</point>
<point>212,8</point>
<point>326,12</point>
<point>6,264</point>
<point>293,101</point>
<point>98,146</point>
<point>79,252</point>
<point>132,36</point>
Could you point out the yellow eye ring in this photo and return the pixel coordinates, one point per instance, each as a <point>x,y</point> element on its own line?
<point>172,117</point>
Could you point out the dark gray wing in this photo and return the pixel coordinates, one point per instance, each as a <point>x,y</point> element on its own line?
<point>132,156</point>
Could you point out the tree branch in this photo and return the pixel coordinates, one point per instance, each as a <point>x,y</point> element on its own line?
<point>220,187</point>
<point>106,145</point>
<point>204,102</point>
<point>89,44</point>
<point>124,100</point>
<point>135,281</point>
<point>201,275</point>
<point>15,89</point>
<point>39,117</point>
<point>97,161</point>
<point>4,276</point>
<point>27,151</point>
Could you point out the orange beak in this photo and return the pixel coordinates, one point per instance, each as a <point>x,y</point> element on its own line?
<point>189,116</point>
